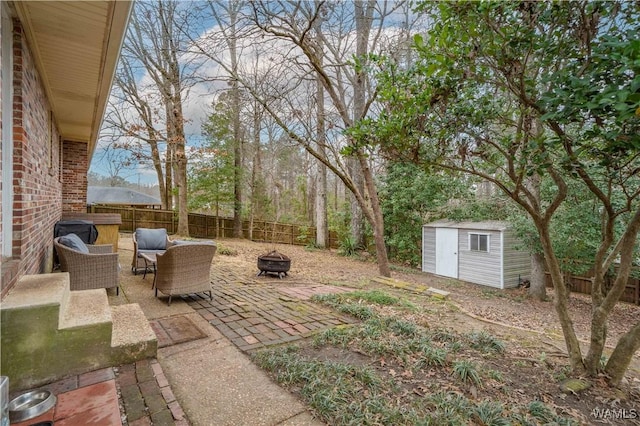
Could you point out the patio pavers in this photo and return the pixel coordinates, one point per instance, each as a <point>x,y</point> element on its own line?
<point>94,404</point>
<point>174,330</point>
<point>255,313</point>
<point>213,380</point>
<point>147,396</point>
<point>92,398</point>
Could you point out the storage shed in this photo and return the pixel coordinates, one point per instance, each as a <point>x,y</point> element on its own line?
<point>486,253</point>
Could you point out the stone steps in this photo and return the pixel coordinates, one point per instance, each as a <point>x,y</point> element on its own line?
<point>85,308</point>
<point>49,332</point>
<point>132,337</point>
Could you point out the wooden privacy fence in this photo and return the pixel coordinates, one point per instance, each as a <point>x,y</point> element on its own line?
<point>208,226</point>
<point>583,285</point>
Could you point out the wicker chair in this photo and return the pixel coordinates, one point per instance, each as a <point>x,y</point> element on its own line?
<point>97,269</point>
<point>146,240</point>
<point>184,269</point>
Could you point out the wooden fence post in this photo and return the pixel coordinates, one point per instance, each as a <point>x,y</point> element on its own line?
<point>258,230</point>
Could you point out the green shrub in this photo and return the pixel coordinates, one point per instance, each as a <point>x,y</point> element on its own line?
<point>485,342</point>
<point>374,296</point>
<point>226,251</point>
<point>348,246</point>
<point>466,371</point>
<point>489,413</point>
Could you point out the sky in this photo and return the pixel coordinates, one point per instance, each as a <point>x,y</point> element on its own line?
<point>195,108</point>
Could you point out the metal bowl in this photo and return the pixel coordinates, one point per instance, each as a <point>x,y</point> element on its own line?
<point>30,405</point>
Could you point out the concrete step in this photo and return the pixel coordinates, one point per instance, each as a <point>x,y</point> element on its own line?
<point>85,308</point>
<point>41,340</point>
<point>49,332</point>
<point>133,338</point>
<point>46,293</point>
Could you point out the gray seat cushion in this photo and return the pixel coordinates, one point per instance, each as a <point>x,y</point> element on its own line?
<point>151,239</point>
<point>73,242</point>
<point>150,251</point>
<point>186,242</point>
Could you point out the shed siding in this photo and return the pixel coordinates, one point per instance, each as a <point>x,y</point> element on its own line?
<point>480,267</point>
<point>429,250</point>
<point>517,263</point>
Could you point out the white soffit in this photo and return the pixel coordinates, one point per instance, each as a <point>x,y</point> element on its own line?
<point>76,46</point>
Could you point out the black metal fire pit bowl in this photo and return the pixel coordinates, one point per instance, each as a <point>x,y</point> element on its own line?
<point>274,263</point>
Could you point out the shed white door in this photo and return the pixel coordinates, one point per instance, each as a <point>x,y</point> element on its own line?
<point>447,252</point>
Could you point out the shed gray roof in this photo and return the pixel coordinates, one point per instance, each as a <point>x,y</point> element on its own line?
<point>488,225</point>
<point>113,195</point>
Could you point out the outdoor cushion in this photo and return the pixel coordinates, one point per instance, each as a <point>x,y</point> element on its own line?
<point>185,242</point>
<point>151,239</point>
<point>150,252</point>
<point>74,242</point>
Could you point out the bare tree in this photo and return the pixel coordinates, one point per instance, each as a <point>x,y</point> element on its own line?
<point>116,162</point>
<point>135,122</point>
<point>225,14</point>
<point>322,228</point>
<point>346,85</point>
<point>155,41</point>
<point>292,58</point>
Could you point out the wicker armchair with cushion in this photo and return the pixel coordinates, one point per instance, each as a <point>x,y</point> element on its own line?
<point>89,266</point>
<point>184,269</point>
<point>146,240</point>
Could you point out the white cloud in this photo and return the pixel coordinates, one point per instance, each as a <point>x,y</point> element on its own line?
<point>274,59</point>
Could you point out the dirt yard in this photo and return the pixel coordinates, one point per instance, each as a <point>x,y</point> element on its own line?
<point>511,307</point>
<point>534,362</point>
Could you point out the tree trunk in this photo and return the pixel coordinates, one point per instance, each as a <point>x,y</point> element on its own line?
<point>598,322</point>
<point>237,138</point>
<point>157,165</point>
<point>537,281</point>
<point>630,342</point>
<point>217,204</point>
<point>321,207</point>
<point>135,49</point>
<point>181,171</point>
<point>561,298</point>
<point>537,286</point>
<point>311,189</point>
<point>363,11</point>
<point>621,357</point>
<point>322,232</point>
<point>168,171</point>
<point>256,169</point>
<point>356,224</point>
<point>237,169</point>
<point>377,219</point>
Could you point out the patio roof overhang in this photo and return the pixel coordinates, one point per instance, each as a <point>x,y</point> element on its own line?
<point>76,45</point>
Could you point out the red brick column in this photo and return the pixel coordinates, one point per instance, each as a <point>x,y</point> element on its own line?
<point>75,164</point>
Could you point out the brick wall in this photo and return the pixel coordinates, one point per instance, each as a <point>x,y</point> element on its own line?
<point>75,164</point>
<point>36,164</point>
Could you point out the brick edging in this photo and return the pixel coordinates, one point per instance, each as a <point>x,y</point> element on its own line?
<point>147,396</point>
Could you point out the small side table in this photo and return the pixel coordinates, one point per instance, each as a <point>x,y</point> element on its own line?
<point>149,260</point>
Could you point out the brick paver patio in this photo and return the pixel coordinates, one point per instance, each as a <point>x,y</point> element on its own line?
<point>263,311</point>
